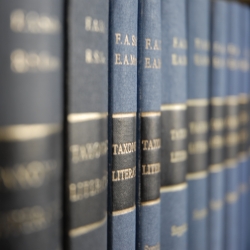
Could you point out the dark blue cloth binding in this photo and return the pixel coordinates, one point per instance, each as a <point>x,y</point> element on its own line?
<point>198,27</point>
<point>123,20</point>
<point>216,134</point>
<point>31,124</point>
<point>87,95</point>
<point>174,224</point>
<point>232,128</point>
<point>149,124</point>
<point>243,128</point>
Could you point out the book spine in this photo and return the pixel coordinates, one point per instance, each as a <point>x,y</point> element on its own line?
<point>243,129</point>
<point>174,222</point>
<point>197,117</point>
<point>232,129</point>
<point>247,75</point>
<point>87,94</point>
<point>216,125</point>
<point>149,125</point>
<point>122,123</point>
<point>31,125</point>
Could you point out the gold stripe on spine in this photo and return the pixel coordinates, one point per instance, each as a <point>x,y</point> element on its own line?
<point>176,106</point>
<point>217,101</point>
<point>24,132</point>
<point>82,117</point>
<point>174,188</point>
<point>243,98</point>
<point>123,211</point>
<point>231,163</point>
<point>197,102</point>
<point>86,229</point>
<point>150,114</point>
<point>232,100</point>
<point>215,168</point>
<point>197,175</point>
<point>123,115</point>
<point>150,203</point>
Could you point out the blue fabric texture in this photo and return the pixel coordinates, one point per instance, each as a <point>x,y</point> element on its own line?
<point>174,222</point>
<point>197,214</point>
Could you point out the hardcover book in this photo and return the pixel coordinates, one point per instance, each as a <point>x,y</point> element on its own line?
<point>31,124</point>
<point>232,129</point>
<point>149,125</point>
<point>87,134</point>
<point>122,123</point>
<point>174,222</point>
<point>218,93</point>
<point>197,118</point>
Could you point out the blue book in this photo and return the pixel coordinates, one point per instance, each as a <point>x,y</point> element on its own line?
<point>247,78</point>
<point>87,134</point>
<point>232,129</point>
<point>31,124</point>
<point>149,125</point>
<point>243,128</point>
<point>197,118</point>
<point>174,222</point>
<point>122,124</point>
<point>217,96</point>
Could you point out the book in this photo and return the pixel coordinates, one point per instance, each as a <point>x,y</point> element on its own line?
<point>217,96</point>
<point>198,12</point>
<point>232,129</point>
<point>174,224</point>
<point>243,128</point>
<point>87,122</point>
<point>123,22</point>
<point>149,125</point>
<point>31,125</point>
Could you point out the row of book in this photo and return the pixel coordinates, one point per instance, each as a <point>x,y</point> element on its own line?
<point>124,125</point>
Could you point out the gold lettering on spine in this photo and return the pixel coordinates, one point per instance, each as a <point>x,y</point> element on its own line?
<point>179,43</point>
<point>124,174</point>
<point>156,247</point>
<point>178,156</point>
<point>24,61</point>
<point>126,40</point>
<point>179,60</point>
<point>149,169</point>
<point>216,205</point>
<point>197,147</point>
<point>178,134</point>
<point>201,44</point>
<point>200,214</point>
<point>151,144</point>
<point>26,175</point>
<point>27,220</point>
<point>33,22</point>
<point>124,148</point>
<point>94,57</point>
<point>83,190</point>
<point>88,151</point>
<point>94,25</point>
<point>198,127</point>
<point>179,230</point>
<point>231,197</point>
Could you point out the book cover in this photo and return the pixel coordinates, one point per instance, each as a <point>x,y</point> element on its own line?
<point>243,117</point>
<point>197,117</point>
<point>31,124</point>
<point>232,129</point>
<point>149,125</point>
<point>87,133</point>
<point>217,96</point>
<point>123,22</point>
<point>174,224</point>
